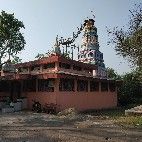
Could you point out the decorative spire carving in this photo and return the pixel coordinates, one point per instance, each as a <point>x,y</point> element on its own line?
<point>57,46</point>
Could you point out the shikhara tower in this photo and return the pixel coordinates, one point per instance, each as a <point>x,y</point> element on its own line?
<point>89,52</point>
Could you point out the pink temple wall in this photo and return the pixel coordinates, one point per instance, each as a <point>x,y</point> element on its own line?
<point>85,101</point>
<point>79,100</point>
<point>65,99</point>
<point>42,97</point>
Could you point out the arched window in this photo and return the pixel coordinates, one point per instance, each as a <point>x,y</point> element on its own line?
<point>90,54</point>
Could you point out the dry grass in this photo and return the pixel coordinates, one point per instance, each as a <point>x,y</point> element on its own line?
<point>118,117</point>
<point>129,121</point>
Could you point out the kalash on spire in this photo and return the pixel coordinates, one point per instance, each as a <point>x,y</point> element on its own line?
<point>89,52</point>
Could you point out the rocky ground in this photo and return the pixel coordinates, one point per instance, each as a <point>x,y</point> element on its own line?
<point>72,127</point>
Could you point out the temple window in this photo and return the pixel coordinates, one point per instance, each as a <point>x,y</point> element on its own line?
<point>29,85</point>
<point>88,70</point>
<point>66,84</point>
<point>94,86</point>
<point>23,69</point>
<point>64,65</point>
<point>46,85</point>
<point>82,85</point>
<point>104,86</point>
<point>49,65</point>
<point>35,68</point>
<point>4,86</point>
<point>101,56</point>
<point>112,87</point>
<point>82,56</point>
<point>19,70</point>
<point>78,68</point>
<point>96,55</point>
<point>90,54</point>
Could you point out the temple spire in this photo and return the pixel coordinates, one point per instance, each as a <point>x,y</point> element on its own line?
<point>57,46</point>
<point>89,52</point>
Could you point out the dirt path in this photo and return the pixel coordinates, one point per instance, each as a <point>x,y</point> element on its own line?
<point>33,127</point>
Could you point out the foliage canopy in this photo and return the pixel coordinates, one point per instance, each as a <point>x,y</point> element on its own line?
<point>11,38</point>
<point>128,43</point>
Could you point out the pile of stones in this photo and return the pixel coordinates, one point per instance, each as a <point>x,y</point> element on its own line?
<point>134,111</point>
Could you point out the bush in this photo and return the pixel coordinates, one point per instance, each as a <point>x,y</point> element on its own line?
<point>130,92</point>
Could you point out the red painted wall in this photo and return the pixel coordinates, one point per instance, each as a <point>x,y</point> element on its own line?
<point>42,97</point>
<point>79,100</point>
<point>84,101</point>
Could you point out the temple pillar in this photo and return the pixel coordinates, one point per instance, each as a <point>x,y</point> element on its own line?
<point>99,86</point>
<point>41,68</point>
<point>36,85</point>
<point>88,85</point>
<point>56,66</point>
<point>56,85</point>
<point>75,85</point>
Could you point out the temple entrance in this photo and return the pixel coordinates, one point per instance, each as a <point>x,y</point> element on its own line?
<point>15,91</point>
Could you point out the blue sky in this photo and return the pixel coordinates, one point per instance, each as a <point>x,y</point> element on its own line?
<point>44,19</point>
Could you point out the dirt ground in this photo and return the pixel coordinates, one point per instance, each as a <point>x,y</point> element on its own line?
<point>41,127</point>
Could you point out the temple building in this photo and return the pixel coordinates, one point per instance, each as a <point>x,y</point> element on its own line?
<point>82,83</point>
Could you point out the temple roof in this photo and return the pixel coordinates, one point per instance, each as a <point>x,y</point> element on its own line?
<point>55,58</point>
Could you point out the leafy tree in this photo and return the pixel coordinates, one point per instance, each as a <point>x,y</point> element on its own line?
<point>16,60</point>
<point>49,52</point>
<point>112,74</point>
<point>137,75</point>
<point>128,43</point>
<point>11,38</point>
<point>131,89</point>
<point>66,55</point>
<point>39,56</point>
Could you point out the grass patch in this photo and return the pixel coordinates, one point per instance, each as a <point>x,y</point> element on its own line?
<point>118,116</point>
<point>129,121</point>
<point>111,113</point>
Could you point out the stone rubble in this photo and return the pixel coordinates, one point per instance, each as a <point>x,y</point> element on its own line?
<point>134,111</point>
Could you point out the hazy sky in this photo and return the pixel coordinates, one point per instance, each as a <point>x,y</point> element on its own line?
<point>44,19</point>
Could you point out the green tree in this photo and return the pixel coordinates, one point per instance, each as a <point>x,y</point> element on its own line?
<point>128,43</point>
<point>11,38</point>
<point>130,87</point>
<point>16,60</point>
<point>130,90</point>
<point>39,56</point>
<point>48,54</point>
<point>112,74</point>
